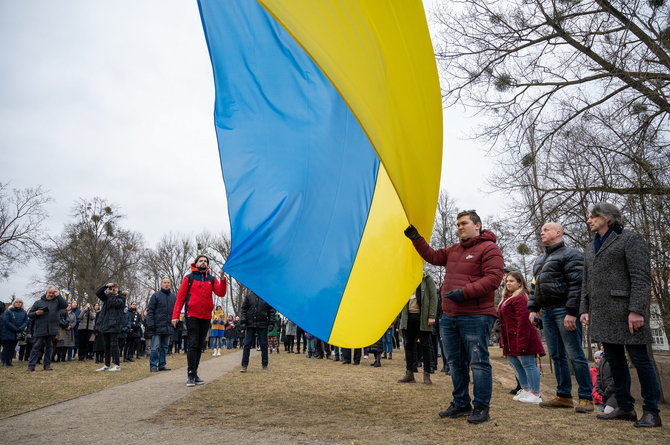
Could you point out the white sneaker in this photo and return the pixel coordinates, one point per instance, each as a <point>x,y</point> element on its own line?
<point>529,397</point>
<point>214,353</point>
<point>365,356</point>
<point>218,352</point>
<point>520,394</point>
<point>114,368</point>
<point>104,368</point>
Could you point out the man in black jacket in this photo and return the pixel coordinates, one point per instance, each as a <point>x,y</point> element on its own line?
<point>256,318</point>
<point>556,290</point>
<point>159,315</point>
<point>109,323</point>
<point>134,325</point>
<point>44,314</point>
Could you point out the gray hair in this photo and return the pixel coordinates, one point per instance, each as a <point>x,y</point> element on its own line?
<point>608,211</point>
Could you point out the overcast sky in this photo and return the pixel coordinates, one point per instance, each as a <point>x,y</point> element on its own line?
<point>115,99</point>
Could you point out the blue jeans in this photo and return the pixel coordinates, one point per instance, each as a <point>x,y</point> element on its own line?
<point>564,345</point>
<point>466,338</point>
<point>526,372</point>
<point>229,343</point>
<point>262,341</point>
<point>159,348</point>
<point>387,341</point>
<point>651,393</point>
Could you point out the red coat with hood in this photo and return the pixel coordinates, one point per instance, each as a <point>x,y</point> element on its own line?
<point>200,303</point>
<point>518,336</point>
<point>475,266</point>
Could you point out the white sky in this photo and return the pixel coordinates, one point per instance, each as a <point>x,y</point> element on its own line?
<point>115,99</point>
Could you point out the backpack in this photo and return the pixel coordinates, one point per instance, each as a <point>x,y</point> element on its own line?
<point>188,290</point>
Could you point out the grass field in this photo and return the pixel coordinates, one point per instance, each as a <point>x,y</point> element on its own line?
<point>325,401</point>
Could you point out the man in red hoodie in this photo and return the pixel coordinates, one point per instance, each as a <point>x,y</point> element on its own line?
<point>195,294</point>
<point>474,270</point>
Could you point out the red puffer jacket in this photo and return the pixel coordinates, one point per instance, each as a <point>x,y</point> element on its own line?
<point>517,334</point>
<point>200,304</point>
<point>475,266</point>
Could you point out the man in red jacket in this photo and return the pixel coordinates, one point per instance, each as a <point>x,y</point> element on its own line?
<point>195,294</point>
<point>474,270</point>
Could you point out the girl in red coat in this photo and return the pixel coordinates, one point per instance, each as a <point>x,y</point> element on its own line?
<point>519,339</point>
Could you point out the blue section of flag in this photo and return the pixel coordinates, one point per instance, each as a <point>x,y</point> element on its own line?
<point>299,171</point>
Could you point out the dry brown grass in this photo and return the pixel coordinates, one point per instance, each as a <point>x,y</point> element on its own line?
<point>24,391</point>
<point>324,401</point>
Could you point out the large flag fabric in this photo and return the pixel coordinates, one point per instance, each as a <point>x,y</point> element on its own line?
<point>329,126</point>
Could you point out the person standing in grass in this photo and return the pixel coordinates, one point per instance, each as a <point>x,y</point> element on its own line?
<point>159,326</point>
<point>110,322</point>
<point>44,314</point>
<point>519,340</point>
<point>556,292</point>
<point>474,270</point>
<point>195,295</point>
<point>256,318</point>
<point>615,303</point>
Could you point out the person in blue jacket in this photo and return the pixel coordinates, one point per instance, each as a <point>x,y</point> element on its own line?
<point>15,320</point>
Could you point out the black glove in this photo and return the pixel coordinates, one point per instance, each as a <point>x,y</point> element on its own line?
<point>412,233</point>
<point>455,295</point>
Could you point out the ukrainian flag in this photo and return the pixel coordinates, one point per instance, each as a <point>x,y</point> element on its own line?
<point>329,126</point>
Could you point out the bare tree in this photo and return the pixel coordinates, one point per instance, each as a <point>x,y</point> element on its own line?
<point>22,215</point>
<point>93,250</point>
<point>545,65</point>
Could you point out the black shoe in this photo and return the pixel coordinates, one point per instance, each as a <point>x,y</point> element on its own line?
<point>619,414</point>
<point>199,381</point>
<point>649,420</point>
<point>164,369</point>
<point>480,414</point>
<point>344,362</point>
<point>190,381</point>
<point>454,412</point>
<point>445,369</point>
<point>48,368</point>
<point>130,360</point>
<point>153,369</point>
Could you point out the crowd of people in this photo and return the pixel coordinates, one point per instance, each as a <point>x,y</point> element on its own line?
<point>606,287</point>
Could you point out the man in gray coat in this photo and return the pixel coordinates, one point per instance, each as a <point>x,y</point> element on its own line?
<point>615,300</point>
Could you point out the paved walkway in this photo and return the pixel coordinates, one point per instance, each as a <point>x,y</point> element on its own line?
<point>118,414</point>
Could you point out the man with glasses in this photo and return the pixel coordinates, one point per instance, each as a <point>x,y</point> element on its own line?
<point>474,269</point>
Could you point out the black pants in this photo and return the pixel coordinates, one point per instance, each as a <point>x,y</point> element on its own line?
<point>346,356</point>
<point>197,336</point>
<point>8,347</point>
<point>411,334</point>
<point>300,334</point>
<point>288,343</point>
<point>131,346</point>
<point>84,345</point>
<point>111,341</point>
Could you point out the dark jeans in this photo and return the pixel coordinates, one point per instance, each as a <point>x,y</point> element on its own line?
<point>84,344</point>
<point>45,344</point>
<point>8,347</point>
<point>566,345</point>
<point>197,337</point>
<point>467,340</point>
<point>410,335</point>
<point>651,394</point>
<point>111,341</point>
<point>300,335</point>
<point>249,337</point>
<point>346,355</point>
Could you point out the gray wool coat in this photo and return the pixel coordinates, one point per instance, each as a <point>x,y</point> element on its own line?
<point>617,281</point>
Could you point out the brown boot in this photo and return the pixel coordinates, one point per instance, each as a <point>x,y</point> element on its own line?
<point>558,402</point>
<point>426,378</point>
<point>409,377</point>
